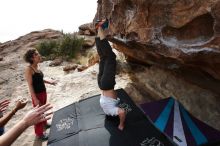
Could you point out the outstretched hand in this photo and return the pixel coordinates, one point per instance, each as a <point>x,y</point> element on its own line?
<point>38,114</point>
<point>53,83</point>
<point>21,103</point>
<point>4,104</point>
<point>50,82</point>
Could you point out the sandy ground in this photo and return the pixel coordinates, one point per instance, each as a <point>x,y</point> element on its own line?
<point>71,87</point>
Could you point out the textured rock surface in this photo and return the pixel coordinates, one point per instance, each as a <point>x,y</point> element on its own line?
<point>168,33</point>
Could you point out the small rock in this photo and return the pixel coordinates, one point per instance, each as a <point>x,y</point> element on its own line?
<point>56,62</point>
<point>13,68</point>
<point>81,68</point>
<point>89,43</point>
<point>70,67</point>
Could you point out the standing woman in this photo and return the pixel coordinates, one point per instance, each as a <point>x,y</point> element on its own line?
<point>37,88</point>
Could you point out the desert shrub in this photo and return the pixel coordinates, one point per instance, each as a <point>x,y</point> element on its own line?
<point>70,45</point>
<point>47,47</point>
<point>67,46</point>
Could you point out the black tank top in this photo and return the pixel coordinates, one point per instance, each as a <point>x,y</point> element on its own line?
<point>38,82</point>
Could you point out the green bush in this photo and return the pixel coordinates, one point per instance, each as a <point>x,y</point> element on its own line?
<point>70,45</point>
<point>47,47</point>
<point>67,46</point>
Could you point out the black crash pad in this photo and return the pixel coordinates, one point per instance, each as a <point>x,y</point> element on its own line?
<point>85,124</point>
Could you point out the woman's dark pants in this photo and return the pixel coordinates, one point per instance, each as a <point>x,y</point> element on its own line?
<point>107,64</point>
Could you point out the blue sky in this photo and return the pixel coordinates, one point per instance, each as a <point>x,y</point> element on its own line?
<point>19,17</point>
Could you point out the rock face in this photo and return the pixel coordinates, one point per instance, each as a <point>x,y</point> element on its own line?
<point>172,34</point>
<point>181,36</point>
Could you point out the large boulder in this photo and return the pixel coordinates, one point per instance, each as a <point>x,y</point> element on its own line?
<point>87,29</point>
<point>89,42</point>
<point>181,36</point>
<point>179,41</point>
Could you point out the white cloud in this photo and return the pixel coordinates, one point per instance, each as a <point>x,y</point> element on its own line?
<point>19,17</point>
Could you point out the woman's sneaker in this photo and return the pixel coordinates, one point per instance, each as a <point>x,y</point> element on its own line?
<point>43,137</point>
<point>47,126</point>
<point>102,28</point>
<point>102,23</point>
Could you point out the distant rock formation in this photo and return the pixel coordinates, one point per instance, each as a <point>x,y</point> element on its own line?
<point>28,40</point>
